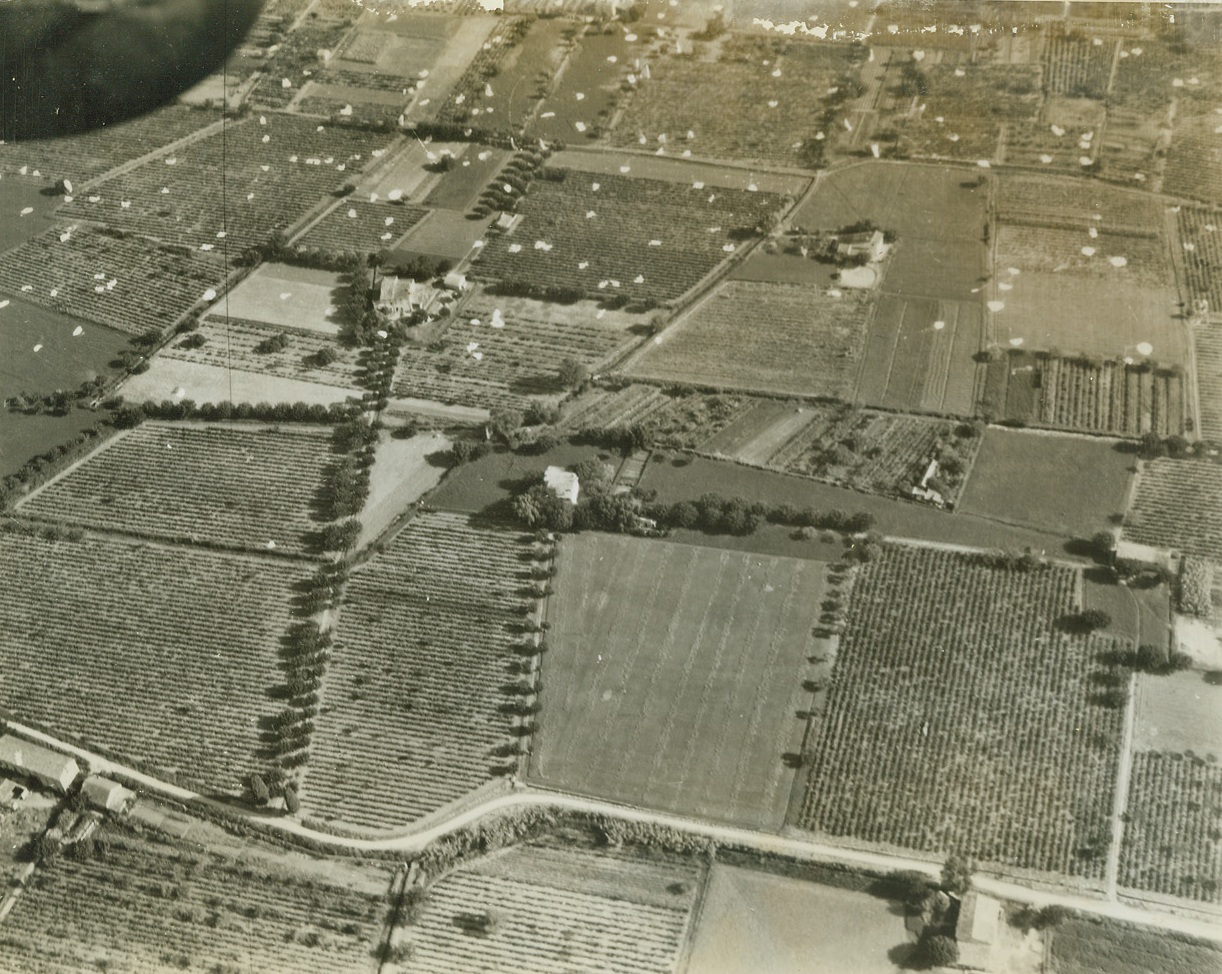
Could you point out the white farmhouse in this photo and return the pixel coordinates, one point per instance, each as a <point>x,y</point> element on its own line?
<point>563,483</point>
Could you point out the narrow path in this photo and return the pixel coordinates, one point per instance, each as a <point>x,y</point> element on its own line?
<point>1150,914</point>
<point>1121,801</point>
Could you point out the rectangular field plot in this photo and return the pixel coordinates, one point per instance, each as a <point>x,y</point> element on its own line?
<point>460,187</point>
<point>752,921</point>
<point>204,383</point>
<point>589,87</point>
<point>131,284</point>
<point>489,358</point>
<point>558,910</point>
<point>674,676</point>
<point>1200,232</point>
<point>920,355</point>
<point>161,657</point>
<point>171,906</point>
<point>764,337</point>
<point>444,234</point>
<point>959,718</point>
<point>228,486</point>
<point>1055,250</point>
<point>621,236</point>
<point>670,169</point>
<point>1207,344</point>
<point>1070,485</point>
<point>1173,817</point>
<point>1178,505</point>
<point>274,174</point>
<point>674,419</point>
<point>361,227</point>
<point>286,297</point>
<point>1178,712</point>
<point>411,701</point>
<point>1075,204</point>
<point>759,114</point>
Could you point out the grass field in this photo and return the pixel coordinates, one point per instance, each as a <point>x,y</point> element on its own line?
<point>176,906</point>
<point>442,235</point>
<point>161,657</point>
<point>1178,504</point>
<point>1179,712</point>
<point>459,188</point>
<point>674,676</point>
<point>285,297</point>
<point>1090,946</point>
<point>202,383</point>
<point>402,472</point>
<point>754,921</point>
<point>959,718</point>
<point>180,483</point>
<point>764,337</point>
<point>17,195</point>
<point>919,355</point>
<point>589,87</point>
<point>558,910</point>
<point>1069,485</point>
<point>670,169</point>
<point>62,360</point>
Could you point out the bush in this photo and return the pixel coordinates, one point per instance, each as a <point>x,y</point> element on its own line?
<point>276,343</point>
<point>936,949</point>
<point>1195,583</point>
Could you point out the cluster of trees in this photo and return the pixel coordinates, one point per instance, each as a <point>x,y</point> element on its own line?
<point>273,343</point>
<point>1010,561</point>
<point>126,415</point>
<point>512,181</point>
<point>40,468</point>
<point>262,792</point>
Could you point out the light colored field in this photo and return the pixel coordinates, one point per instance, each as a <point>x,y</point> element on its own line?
<point>675,675</point>
<point>406,171</point>
<point>767,337</point>
<point>444,233</point>
<point>1179,712</point>
<point>1105,318</point>
<point>401,475</point>
<point>679,171</point>
<point>755,921</point>
<point>212,383</point>
<point>353,95</point>
<point>285,296</point>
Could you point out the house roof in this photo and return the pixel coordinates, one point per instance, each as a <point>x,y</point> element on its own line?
<point>979,916</point>
<point>39,761</point>
<point>105,793</point>
<point>563,482</point>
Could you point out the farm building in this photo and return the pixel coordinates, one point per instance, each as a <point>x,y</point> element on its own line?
<point>924,492</point>
<point>107,795</point>
<point>976,929</point>
<point>49,768</point>
<point>454,281</point>
<point>400,296</point>
<point>563,483</point>
<point>867,243</point>
<point>507,221</point>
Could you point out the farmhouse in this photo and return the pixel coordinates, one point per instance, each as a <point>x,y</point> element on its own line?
<point>454,281</point>
<point>563,483</point>
<point>107,795</point>
<point>867,243</point>
<point>507,221</point>
<point>924,492</point>
<point>399,297</point>
<point>49,768</point>
<point>976,929</point>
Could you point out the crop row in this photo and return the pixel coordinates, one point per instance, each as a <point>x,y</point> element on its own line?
<point>1043,249</point>
<point>72,270</point>
<point>1207,343</point>
<point>275,167</point>
<point>1173,828</point>
<point>1201,229</point>
<point>774,99</point>
<point>1076,66</point>
<point>161,656</point>
<point>233,343</point>
<point>960,719</point>
<point>295,61</point>
<point>1110,397</point>
<point>613,236</point>
<point>1194,159</point>
<point>361,227</point>
<point>139,905</point>
<point>410,704</point>
<point>1069,203</point>
<point>801,341</point>
<point>541,930</point>
<point>232,487</point>
<point>479,364</point>
<point>1178,504</point>
<point>88,156</point>
<point>602,409</point>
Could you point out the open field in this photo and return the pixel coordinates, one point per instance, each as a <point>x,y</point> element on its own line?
<point>557,910</point>
<point>920,355</point>
<point>1075,204</point>
<point>609,236</point>
<point>17,196</point>
<point>403,471</point>
<point>1091,946</point>
<point>1070,485</point>
<point>360,227</point>
<point>1178,504</point>
<point>128,283</point>
<point>1178,712</point>
<point>1172,824</point>
<point>88,156</point>
<point>588,89</point>
<point>62,360</point>
<point>286,297</point>
<point>755,921</point>
<point>179,483</point>
<point>459,188</point>
<point>141,902</point>
<point>302,166</point>
<point>670,169</point>
<point>201,382</point>
<point>486,360</point>
<point>1207,346</point>
<point>937,214</point>
<point>161,657</point>
<point>27,435</point>
<point>1060,250</point>
<point>701,655</point>
<point>411,701</point>
<point>405,171</point>
<point>1094,316</point>
<point>773,99</point>
<point>764,337</point>
<point>960,719</point>
<point>443,234</point>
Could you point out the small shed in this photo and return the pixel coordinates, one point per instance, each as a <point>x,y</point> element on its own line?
<point>563,483</point>
<point>107,795</point>
<point>507,221</point>
<point>454,281</point>
<point>49,768</point>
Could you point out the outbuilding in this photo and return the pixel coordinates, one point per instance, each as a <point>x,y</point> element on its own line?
<point>107,795</point>
<point>563,483</point>
<point>48,768</point>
